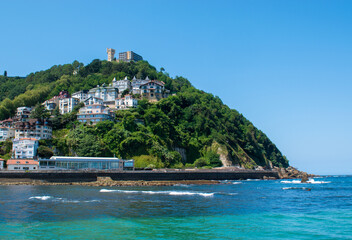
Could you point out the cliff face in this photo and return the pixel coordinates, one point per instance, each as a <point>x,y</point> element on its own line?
<point>189,128</point>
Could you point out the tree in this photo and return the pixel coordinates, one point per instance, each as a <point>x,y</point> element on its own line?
<point>40,112</point>
<point>125,92</point>
<point>45,152</point>
<point>5,73</point>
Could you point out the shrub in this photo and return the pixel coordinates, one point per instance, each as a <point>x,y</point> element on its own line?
<point>147,161</point>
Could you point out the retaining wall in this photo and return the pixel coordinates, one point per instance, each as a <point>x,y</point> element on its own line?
<point>79,176</point>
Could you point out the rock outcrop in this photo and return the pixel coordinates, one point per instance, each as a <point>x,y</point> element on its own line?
<point>292,173</point>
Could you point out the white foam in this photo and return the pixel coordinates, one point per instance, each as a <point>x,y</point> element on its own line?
<point>173,193</point>
<point>317,182</point>
<point>311,181</point>
<point>293,181</point>
<point>43,198</point>
<point>236,183</point>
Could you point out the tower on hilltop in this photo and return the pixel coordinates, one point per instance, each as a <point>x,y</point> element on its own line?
<point>111,54</point>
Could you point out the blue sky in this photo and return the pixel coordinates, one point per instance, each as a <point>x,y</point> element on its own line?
<point>285,65</point>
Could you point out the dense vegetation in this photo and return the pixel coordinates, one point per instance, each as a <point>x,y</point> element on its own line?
<point>189,128</point>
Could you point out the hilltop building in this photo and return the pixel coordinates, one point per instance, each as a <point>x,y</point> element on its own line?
<point>129,56</point>
<point>24,148</point>
<point>111,54</point>
<point>94,114</point>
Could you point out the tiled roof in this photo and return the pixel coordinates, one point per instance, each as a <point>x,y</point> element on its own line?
<point>22,162</point>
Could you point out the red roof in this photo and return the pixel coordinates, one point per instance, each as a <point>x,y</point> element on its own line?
<point>22,162</point>
<point>2,159</point>
<point>33,139</point>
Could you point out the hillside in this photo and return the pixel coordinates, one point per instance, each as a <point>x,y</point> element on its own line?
<point>189,128</point>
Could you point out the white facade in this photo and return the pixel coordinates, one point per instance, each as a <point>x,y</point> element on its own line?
<point>122,85</point>
<point>6,133</point>
<point>1,163</point>
<point>136,84</point>
<point>25,148</point>
<point>93,100</point>
<point>95,113</point>
<point>66,105</point>
<point>40,132</point>
<point>107,94</point>
<point>18,164</point>
<point>126,102</point>
<point>81,95</point>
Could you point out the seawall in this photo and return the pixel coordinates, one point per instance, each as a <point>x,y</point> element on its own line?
<point>158,175</point>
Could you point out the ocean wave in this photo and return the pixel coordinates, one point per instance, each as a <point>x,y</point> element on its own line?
<point>230,182</point>
<point>173,193</point>
<point>311,181</point>
<point>62,200</point>
<point>43,198</point>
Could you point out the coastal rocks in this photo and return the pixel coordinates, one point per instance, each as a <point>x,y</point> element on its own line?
<point>292,173</point>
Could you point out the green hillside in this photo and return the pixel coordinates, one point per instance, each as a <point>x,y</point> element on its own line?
<point>189,128</point>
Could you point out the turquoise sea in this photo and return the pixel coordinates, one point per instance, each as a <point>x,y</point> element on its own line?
<point>274,209</point>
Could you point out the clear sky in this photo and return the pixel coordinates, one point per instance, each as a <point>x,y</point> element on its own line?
<point>285,65</point>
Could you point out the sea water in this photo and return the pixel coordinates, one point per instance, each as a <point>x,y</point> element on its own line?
<point>273,209</point>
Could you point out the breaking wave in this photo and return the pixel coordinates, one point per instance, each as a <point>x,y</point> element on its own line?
<point>311,181</point>
<point>62,200</point>
<point>173,193</point>
<point>43,198</point>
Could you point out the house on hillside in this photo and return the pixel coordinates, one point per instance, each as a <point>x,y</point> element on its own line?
<point>2,163</point>
<point>95,113</point>
<point>33,128</point>
<point>106,93</point>
<point>81,95</point>
<point>122,85</point>
<point>154,90</point>
<point>126,102</point>
<point>25,148</point>
<point>6,133</point>
<point>66,105</point>
<point>93,100</point>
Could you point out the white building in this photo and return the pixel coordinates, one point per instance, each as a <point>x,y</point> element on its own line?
<point>122,85</point>
<point>33,128</point>
<point>18,164</point>
<point>84,163</point>
<point>25,148</point>
<point>108,94</point>
<point>23,113</point>
<point>81,95</point>
<point>94,114</point>
<point>126,102</point>
<point>136,84</point>
<point>66,105</point>
<point>6,133</point>
<point>1,163</point>
<point>93,100</point>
